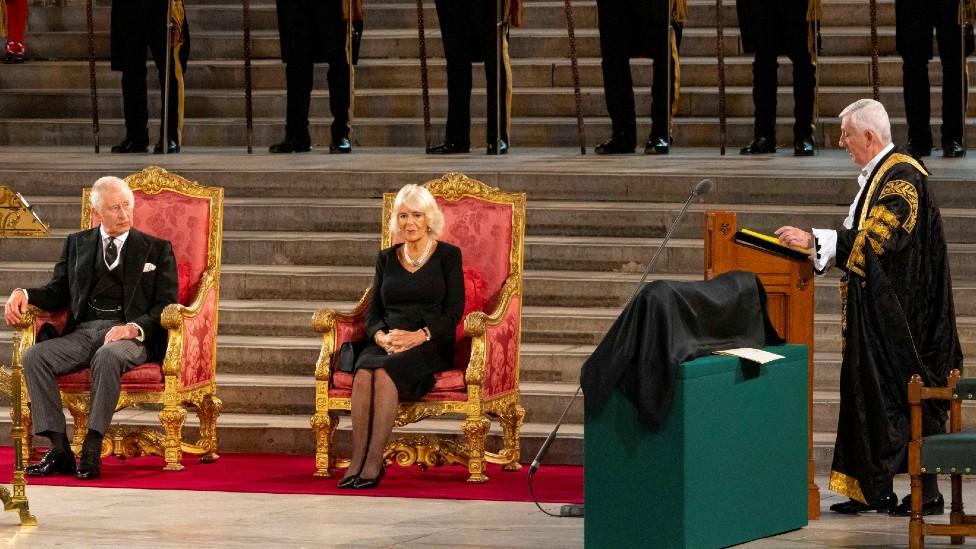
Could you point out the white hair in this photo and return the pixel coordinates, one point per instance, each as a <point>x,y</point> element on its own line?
<point>418,199</point>
<point>869,115</point>
<point>104,184</point>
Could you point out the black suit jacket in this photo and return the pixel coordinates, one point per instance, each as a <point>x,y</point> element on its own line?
<point>149,282</point>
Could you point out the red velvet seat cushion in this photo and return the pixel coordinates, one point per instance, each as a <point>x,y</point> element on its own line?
<point>146,377</point>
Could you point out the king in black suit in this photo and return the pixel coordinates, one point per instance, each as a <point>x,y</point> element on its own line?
<point>116,281</point>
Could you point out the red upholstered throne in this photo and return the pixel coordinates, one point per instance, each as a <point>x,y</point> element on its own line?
<point>489,227</point>
<point>190,216</point>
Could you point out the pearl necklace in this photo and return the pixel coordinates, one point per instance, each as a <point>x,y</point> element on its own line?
<point>423,257</point>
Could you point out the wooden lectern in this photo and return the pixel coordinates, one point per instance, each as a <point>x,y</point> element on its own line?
<point>789,292</point>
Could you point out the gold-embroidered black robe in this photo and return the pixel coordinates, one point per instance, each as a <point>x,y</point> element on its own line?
<point>898,320</point>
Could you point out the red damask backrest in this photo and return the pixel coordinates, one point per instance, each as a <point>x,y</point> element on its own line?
<point>166,208</point>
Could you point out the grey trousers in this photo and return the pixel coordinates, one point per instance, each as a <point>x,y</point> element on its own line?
<point>45,361</point>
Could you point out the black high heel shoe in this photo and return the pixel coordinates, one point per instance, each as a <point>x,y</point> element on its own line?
<point>348,482</point>
<point>367,483</point>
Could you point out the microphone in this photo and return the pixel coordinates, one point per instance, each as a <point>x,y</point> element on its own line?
<point>702,188</point>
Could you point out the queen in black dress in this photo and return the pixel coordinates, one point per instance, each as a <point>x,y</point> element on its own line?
<point>417,299</point>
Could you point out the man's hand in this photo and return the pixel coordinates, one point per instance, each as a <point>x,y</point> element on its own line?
<point>791,236</point>
<point>15,307</point>
<point>118,333</point>
<point>401,340</point>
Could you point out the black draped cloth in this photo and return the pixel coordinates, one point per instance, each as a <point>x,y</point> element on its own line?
<point>898,320</point>
<point>668,323</point>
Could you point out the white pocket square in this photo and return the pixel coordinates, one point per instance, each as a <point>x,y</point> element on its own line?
<point>148,267</point>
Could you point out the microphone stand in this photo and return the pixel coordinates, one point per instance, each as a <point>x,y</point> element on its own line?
<point>576,510</point>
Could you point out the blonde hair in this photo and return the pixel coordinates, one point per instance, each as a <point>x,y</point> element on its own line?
<point>105,183</point>
<point>869,115</point>
<point>418,199</point>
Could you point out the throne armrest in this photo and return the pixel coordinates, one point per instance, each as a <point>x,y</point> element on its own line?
<point>337,328</point>
<point>495,340</point>
<point>192,333</point>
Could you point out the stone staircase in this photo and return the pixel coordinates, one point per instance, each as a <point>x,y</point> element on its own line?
<point>46,101</point>
<point>592,222</point>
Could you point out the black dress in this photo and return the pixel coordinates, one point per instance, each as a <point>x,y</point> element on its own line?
<point>431,297</point>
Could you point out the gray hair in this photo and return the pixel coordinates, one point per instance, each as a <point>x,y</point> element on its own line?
<point>106,183</point>
<point>418,199</point>
<point>869,115</point>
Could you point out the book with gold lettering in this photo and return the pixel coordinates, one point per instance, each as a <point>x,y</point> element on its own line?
<point>769,244</point>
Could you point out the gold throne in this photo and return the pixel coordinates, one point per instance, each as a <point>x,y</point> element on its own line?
<point>190,216</point>
<point>489,227</point>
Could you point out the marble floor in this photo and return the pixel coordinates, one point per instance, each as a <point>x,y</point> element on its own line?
<point>95,517</point>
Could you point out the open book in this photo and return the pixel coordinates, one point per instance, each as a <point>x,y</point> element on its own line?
<point>769,244</point>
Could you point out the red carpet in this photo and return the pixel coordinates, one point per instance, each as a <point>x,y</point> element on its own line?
<point>282,474</point>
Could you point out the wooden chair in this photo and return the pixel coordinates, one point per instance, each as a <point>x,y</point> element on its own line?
<point>953,453</point>
<point>190,216</point>
<point>489,227</point>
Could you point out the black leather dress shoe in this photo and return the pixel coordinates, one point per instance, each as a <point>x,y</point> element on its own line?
<point>367,483</point>
<point>501,147</point>
<point>759,145</point>
<point>347,482</point>
<point>657,145</point>
<point>173,148</point>
<point>54,461</point>
<point>90,465</point>
<point>918,151</point>
<point>934,506</point>
<point>450,147</point>
<point>953,149</point>
<point>615,145</point>
<point>852,507</point>
<point>289,146</point>
<point>804,147</point>
<point>129,146</point>
<point>340,146</point>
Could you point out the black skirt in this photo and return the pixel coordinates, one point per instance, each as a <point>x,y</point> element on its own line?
<point>412,371</point>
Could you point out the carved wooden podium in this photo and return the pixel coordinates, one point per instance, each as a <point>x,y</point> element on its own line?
<point>789,292</point>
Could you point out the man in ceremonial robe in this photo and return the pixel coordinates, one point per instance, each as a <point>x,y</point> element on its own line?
<point>469,31</point>
<point>771,28</point>
<point>317,31</point>
<point>116,281</point>
<point>898,317</point>
<point>639,28</point>
<point>914,23</point>
<point>136,25</point>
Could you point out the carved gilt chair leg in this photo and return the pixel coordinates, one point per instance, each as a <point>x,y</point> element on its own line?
<point>172,417</point>
<point>80,417</point>
<point>27,423</point>
<point>512,420</point>
<point>324,425</point>
<point>208,411</point>
<point>476,431</point>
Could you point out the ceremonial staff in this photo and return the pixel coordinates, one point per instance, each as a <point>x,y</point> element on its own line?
<point>92,83</point>
<point>348,9</point>
<point>574,65</point>
<point>814,16</point>
<point>875,79</point>
<point>499,51</point>
<point>424,84</point>
<point>169,61</point>
<point>965,12</point>
<point>248,97</point>
<point>669,52</point>
<point>720,52</point>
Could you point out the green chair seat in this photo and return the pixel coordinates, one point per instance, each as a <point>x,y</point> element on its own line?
<point>949,453</point>
<point>966,389</point>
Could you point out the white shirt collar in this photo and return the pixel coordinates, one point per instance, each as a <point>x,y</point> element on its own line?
<point>121,238</point>
<point>866,172</point>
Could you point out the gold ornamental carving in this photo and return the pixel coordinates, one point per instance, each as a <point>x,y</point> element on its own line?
<point>17,216</point>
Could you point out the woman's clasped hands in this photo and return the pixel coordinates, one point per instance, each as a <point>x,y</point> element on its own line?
<point>397,341</point>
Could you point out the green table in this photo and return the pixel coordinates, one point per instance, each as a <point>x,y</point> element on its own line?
<point>729,464</point>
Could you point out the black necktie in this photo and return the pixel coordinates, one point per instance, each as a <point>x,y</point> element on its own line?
<point>111,252</point>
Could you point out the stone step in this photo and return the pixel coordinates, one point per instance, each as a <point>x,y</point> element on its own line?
<point>407,102</point>
<point>543,218</point>
<point>291,434</point>
<point>558,253</point>
<point>399,15</point>
<point>403,43</point>
<point>826,410</point>
<point>409,132</point>
<point>527,72</point>
<point>544,174</point>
